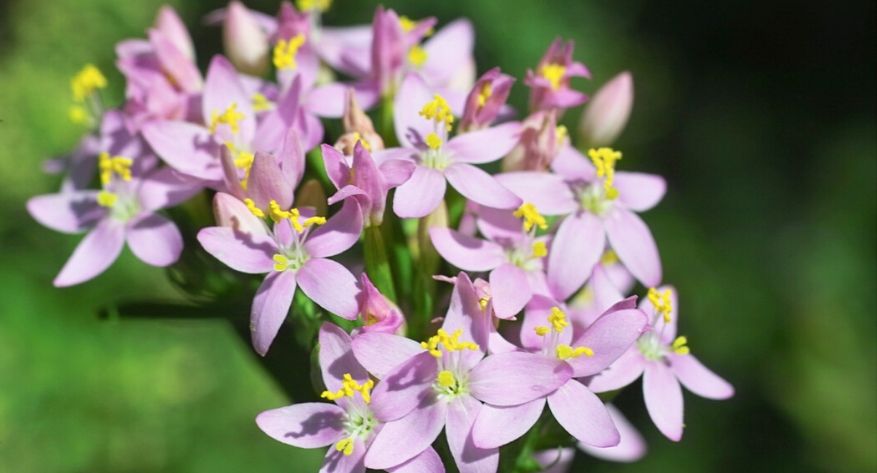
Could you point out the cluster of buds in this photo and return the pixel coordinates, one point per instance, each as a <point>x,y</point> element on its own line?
<point>542,258</point>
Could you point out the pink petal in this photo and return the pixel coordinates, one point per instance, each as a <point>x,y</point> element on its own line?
<point>330,285</point>
<point>403,439</point>
<point>427,462</point>
<point>605,292</point>
<point>583,415</point>
<point>484,146</point>
<point>572,165</point>
<point>166,188</point>
<point>186,147</point>
<point>476,185</point>
<point>464,313</point>
<point>328,100</point>
<point>698,379</point>
<point>625,370</point>
<point>668,330</point>
<point>421,194</point>
<point>411,128</point>
<point>305,425</point>
<point>405,387</point>
<point>610,336</point>
<point>336,357</point>
<point>338,462</point>
<point>510,290</point>
<point>184,73</point>
<point>508,379</point>
<point>94,254</point>
<point>448,50</point>
<point>222,88</point>
<point>155,240</point>
<point>337,167</point>
<point>556,460</point>
<point>636,248</point>
<point>338,234</point>
<point>631,448</point>
<point>267,182</point>
<point>67,212</point>
<point>535,315</point>
<point>575,251</point>
<point>270,307</point>
<point>663,397</point>
<point>497,426</point>
<point>465,252</point>
<point>548,192</point>
<point>276,124</point>
<point>639,191</point>
<point>396,171</point>
<point>380,352</point>
<point>469,458</point>
<point>239,251</point>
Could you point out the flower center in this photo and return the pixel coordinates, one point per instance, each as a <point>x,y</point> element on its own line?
<point>653,349</point>
<point>554,74</point>
<point>449,385</point>
<point>559,323</point>
<point>593,199</point>
<point>604,160</point>
<point>285,52</point>
<point>231,117</point>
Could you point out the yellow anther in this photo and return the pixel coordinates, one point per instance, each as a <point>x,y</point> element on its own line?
<point>349,388</point>
<point>281,262</point>
<point>285,52</point>
<point>539,249</point>
<point>609,258</point>
<point>541,330</point>
<point>311,221</point>
<point>231,117</point>
<point>106,199</point>
<point>277,214</point>
<point>484,94</point>
<point>345,446</point>
<point>118,165</point>
<point>532,217</point>
<point>316,5</point>
<point>450,342</point>
<point>78,115</point>
<point>662,302</point>
<point>604,160</point>
<point>566,352</point>
<point>680,346</point>
<point>433,141</point>
<point>554,73</point>
<point>361,139</point>
<point>557,318</point>
<point>86,81</point>
<point>260,103</point>
<point>560,133</point>
<point>483,301</point>
<point>252,208</point>
<point>446,379</point>
<point>438,111</point>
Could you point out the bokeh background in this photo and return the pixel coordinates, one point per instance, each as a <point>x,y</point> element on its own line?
<point>760,114</point>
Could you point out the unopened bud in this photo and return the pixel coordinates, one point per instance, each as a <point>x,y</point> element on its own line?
<point>172,28</point>
<point>606,115</point>
<point>245,43</point>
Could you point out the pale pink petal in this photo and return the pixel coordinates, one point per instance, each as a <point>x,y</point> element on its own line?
<point>155,240</point>
<point>166,188</point>
<point>240,251</point>
<point>305,425</point>
<point>497,426</point>
<point>667,331</point>
<point>403,439</point>
<point>508,379</point>
<point>572,165</point>
<point>581,413</point>
<point>94,254</point>
<point>380,352</point>
<point>336,357</point>
<point>186,147</point>
<point>610,336</point>
<point>405,387</point>
<point>338,234</point>
<point>605,292</point>
<point>275,125</point>
<point>469,458</point>
<point>337,166</point>
<point>631,448</point>
<point>476,185</point>
<point>464,313</point>
<point>626,369</point>
<point>548,192</point>
<point>536,315</point>
<point>484,146</point>
<point>421,194</point>
<point>67,212</point>
<point>663,397</point>
<point>267,182</point>
<point>396,171</point>
<point>575,250</point>
<point>639,191</point>
<point>556,460</point>
<point>448,50</point>
<point>270,307</point>
<point>636,248</point>
<point>411,128</point>
<point>510,290</point>
<point>330,285</point>
<point>698,379</point>
<point>337,462</point>
<point>465,252</point>
<point>222,88</point>
<point>427,462</point>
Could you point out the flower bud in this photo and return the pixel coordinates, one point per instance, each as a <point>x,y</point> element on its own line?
<point>231,212</point>
<point>378,312</point>
<point>486,99</point>
<point>606,115</point>
<point>172,28</point>
<point>357,127</point>
<point>245,43</point>
<point>291,22</point>
<point>541,139</point>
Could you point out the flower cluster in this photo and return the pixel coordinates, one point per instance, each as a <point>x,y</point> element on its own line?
<point>542,251</point>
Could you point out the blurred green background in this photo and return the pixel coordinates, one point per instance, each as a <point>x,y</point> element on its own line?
<point>762,117</point>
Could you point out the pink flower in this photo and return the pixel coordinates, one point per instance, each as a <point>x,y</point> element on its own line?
<point>486,99</point>
<point>549,83</point>
<point>607,113</point>
<point>378,313</point>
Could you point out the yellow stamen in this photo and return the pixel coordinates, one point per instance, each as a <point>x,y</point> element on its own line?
<point>438,111</point>
<point>231,117</point>
<point>680,346</point>
<point>604,159</point>
<point>315,5</point>
<point>483,301</point>
<point>450,342</point>
<point>281,263</point>
<point>285,52</point>
<point>106,199</point>
<point>446,379</point>
<point>531,216</point>
<point>539,249</point>
<point>252,208</point>
<point>349,387</point>
<point>484,94</point>
<point>662,302</point>
<point>260,103</point>
<point>118,165</point>
<point>560,133</point>
<point>565,352</point>
<point>557,318</point>
<point>417,56</point>
<point>433,141</point>
<point>345,446</point>
<point>86,81</point>
<point>541,330</point>
<point>361,139</point>
<point>554,73</point>
<point>609,258</point>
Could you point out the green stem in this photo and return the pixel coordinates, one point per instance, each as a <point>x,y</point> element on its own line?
<point>377,265</point>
